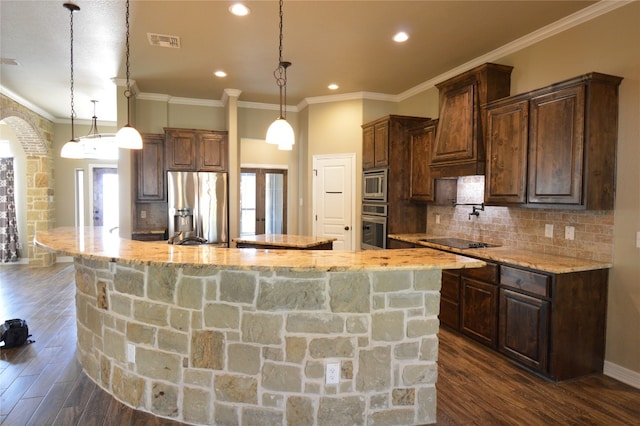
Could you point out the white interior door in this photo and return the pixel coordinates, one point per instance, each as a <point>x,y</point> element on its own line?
<point>333,199</point>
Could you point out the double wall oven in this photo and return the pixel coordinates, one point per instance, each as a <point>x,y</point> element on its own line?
<point>374,209</point>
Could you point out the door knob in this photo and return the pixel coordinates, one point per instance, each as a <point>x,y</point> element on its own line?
<point>346,228</point>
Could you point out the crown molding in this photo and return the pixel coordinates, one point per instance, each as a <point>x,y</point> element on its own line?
<point>25,103</point>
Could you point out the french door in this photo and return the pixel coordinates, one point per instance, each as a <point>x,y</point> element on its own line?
<point>263,201</point>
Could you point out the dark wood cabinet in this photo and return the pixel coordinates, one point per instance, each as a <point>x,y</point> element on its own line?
<point>553,323</point>
<point>507,147</point>
<point>375,145</point>
<point>458,148</point>
<point>421,185</point>
<point>569,132</point>
<point>149,169</point>
<point>524,329</point>
<point>469,302</point>
<point>450,299</point>
<point>380,137</point>
<point>391,147</point>
<point>196,150</point>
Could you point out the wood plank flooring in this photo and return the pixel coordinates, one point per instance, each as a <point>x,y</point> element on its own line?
<point>43,384</point>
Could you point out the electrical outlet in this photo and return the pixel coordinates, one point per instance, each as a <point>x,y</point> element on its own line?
<point>131,352</point>
<point>333,374</point>
<point>437,219</point>
<point>638,239</point>
<point>143,214</point>
<point>569,232</point>
<point>548,230</point>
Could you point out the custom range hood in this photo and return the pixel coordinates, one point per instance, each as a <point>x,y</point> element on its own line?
<point>458,148</point>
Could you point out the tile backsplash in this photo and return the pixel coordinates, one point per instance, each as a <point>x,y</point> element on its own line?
<point>524,227</point>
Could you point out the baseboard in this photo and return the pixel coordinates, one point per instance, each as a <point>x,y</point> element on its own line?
<point>64,259</point>
<point>622,374</point>
<point>22,261</point>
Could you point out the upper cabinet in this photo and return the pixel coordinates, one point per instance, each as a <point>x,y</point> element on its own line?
<point>458,149</point>
<point>149,169</point>
<point>196,150</point>
<point>379,135</point>
<point>556,146</point>
<point>421,187</point>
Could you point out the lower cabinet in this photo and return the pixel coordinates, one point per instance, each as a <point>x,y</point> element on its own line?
<point>479,311</point>
<point>524,329</point>
<point>552,324</point>
<point>469,302</point>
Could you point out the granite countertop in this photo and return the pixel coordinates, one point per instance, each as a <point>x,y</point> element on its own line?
<point>530,259</point>
<point>284,240</point>
<point>96,243</point>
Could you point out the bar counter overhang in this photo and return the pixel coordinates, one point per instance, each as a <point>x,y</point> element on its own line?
<point>208,335</point>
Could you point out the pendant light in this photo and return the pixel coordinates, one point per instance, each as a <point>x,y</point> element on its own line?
<point>280,131</point>
<point>128,137</point>
<point>72,149</point>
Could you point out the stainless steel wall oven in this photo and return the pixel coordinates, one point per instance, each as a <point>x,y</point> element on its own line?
<point>374,226</point>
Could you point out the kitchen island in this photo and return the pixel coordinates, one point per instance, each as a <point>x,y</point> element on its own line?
<point>208,335</point>
<point>284,241</point>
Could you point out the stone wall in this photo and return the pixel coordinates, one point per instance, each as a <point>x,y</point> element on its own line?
<point>231,347</point>
<point>35,134</point>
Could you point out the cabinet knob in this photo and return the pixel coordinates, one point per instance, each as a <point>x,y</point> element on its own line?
<point>346,228</point>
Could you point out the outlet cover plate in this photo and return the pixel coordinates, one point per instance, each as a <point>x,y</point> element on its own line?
<point>333,374</point>
<point>548,230</point>
<point>569,232</point>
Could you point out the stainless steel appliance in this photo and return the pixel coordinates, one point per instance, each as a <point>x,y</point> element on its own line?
<point>374,226</point>
<point>374,185</point>
<point>198,208</point>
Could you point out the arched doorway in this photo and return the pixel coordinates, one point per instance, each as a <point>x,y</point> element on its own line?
<point>35,135</point>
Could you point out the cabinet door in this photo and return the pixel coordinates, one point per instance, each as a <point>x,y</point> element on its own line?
<point>556,144</point>
<point>524,329</point>
<point>507,135</point>
<point>450,300</point>
<point>181,150</point>
<point>212,152</point>
<point>149,163</point>
<point>457,128</point>
<point>368,147</point>
<point>421,182</point>
<point>381,145</point>
<point>479,311</point>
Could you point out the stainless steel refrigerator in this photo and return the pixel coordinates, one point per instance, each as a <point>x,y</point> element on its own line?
<point>198,208</point>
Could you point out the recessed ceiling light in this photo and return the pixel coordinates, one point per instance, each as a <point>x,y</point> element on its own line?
<point>239,9</point>
<point>220,73</point>
<point>333,86</point>
<point>401,37</point>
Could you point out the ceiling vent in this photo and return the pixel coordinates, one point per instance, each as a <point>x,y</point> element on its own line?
<point>163,40</point>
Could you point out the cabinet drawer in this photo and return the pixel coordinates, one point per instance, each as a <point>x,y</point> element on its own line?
<point>487,273</point>
<point>531,282</point>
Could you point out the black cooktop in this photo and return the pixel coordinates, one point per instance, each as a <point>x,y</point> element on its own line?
<point>458,243</point>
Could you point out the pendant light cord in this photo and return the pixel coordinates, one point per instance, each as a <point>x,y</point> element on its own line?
<point>127,92</point>
<point>72,7</point>
<point>280,73</point>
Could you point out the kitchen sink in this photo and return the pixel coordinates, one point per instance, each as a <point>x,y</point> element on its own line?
<point>458,243</point>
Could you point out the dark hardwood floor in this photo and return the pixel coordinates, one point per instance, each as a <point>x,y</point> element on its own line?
<point>43,384</point>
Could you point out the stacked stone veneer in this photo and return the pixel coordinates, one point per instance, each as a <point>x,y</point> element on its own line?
<point>237,347</point>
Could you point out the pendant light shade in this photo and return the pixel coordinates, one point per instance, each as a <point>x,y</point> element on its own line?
<point>72,149</point>
<point>280,131</point>
<point>128,137</point>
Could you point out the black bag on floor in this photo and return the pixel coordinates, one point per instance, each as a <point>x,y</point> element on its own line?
<point>14,333</point>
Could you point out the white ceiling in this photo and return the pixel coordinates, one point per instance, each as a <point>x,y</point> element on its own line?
<point>343,42</point>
